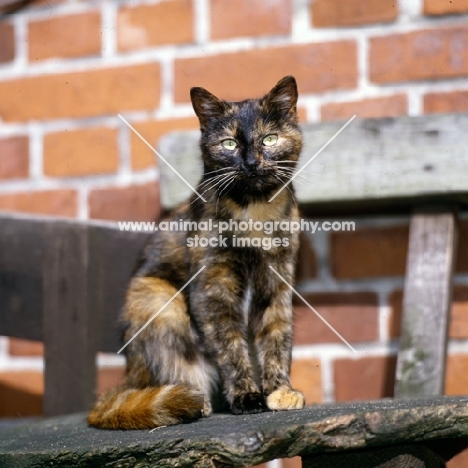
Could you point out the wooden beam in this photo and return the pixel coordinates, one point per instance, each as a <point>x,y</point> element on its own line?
<point>426,305</point>
<point>112,258</point>
<point>227,440</point>
<point>21,250</point>
<point>406,456</point>
<point>64,282</point>
<point>372,162</point>
<point>70,321</point>
<point>113,255</point>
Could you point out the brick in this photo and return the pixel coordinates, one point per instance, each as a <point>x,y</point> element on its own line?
<point>20,347</point>
<point>367,378</point>
<point>445,7</point>
<point>458,326</point>
<point>21,393</point>
<point>353,315</point>
<point>7,42</point>
<point>444,103</point>
<point>370,253</point>
<point>309,63</point>
<point>81,94</point>
<point>306,376</point>
<point>45,202</point>
<point>302,114</point>
<point>81,152</point>
<point>420,55</point>
<point>65,36</point>
<point>456,379</point>
<point>166,22</point>
<point>257,18</point>
<point>110,377</point>
<point>458,461</point>
<point>135,203</point>
<point>391,106</point>
<point>459,313</point>
<point>331,13</point>
<point>295,462</point>
<point>152,131</point>
<point>306,267</point>
<point>14,162</point>
<point>461,263</point>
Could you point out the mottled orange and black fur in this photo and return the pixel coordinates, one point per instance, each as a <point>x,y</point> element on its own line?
<point>227,338</point>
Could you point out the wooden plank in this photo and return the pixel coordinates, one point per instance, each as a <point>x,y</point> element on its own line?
<point>64,282</point>
<point>70,321</point>
<point>227,440</point>
<point>406,456</point>
<point>113,255</point>
<point>426,305</point>
<point>182,150</point>
<point>21,250</point>
<point>370,162</point>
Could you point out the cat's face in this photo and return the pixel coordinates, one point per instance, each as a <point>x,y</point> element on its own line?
<point>251,145</point>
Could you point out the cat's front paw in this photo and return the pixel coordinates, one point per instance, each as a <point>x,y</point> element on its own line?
<point>207,408</point>
<point>285,398</point>
<point>249,403</point>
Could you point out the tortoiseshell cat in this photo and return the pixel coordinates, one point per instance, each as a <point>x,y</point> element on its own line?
<point>227,338</point>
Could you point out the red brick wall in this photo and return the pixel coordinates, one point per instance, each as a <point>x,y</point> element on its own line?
<point>68,68</point>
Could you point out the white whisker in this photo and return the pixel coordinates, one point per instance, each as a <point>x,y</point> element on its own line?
<point>214,178</point>
<point>220,179</point>
<point>220,183</point>
<point>218,170</point>
<point>290,191</point>
<point>222,190</point>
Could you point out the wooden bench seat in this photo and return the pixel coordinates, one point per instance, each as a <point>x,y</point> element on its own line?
<point>426,431</point>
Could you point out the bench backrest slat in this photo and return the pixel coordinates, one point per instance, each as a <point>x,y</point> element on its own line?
<point>23,243</point>
<point>372,162</point>
<point>21,254</point>
<point>426,305</point>
<point>113,257</point>
<point>64,282</point>
<point>69,331</point>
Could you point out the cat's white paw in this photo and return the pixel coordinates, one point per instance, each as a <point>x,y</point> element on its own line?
<point>285,399</point>
<point>207,409</point>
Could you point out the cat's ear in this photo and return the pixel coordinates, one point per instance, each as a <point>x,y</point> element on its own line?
<point>206,105</point>
<point>283,96</point>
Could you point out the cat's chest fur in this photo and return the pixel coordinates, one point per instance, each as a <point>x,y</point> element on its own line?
<point>259,211</point>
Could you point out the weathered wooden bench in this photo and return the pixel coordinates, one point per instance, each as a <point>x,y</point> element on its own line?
<point>63,282</point>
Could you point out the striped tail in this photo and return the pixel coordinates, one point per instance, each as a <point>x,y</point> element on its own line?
<point>131,408</point>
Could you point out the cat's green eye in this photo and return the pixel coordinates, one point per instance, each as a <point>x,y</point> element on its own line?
<point>229,144</point>
<point>270,140</point>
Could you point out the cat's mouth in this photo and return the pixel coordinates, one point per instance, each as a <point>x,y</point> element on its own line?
<point>253,172</point>
<point>259,181</point>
